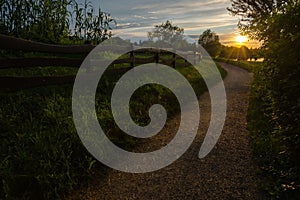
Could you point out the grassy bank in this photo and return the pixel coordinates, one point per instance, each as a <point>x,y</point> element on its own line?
<point>41,153</point>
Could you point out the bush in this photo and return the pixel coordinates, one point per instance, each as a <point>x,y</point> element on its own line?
<point>273,120</point>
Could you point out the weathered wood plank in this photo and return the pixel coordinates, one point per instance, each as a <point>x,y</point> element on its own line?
<point>39,62</point>
<point>12,43</point>
<point>8,42</point>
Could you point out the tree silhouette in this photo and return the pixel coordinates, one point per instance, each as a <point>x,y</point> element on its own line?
<point>166,32</point>
<point>210,42</point>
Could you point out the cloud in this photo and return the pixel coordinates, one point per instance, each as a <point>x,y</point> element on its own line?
<point>189,14</point>
<point>193,15</point>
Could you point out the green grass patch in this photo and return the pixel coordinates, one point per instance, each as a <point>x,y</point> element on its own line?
<point>41,154</point>
<point>39,71</point>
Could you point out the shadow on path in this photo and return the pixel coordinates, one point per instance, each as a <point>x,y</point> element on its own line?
<point>228,172</point>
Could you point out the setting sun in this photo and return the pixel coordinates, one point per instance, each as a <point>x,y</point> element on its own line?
<point>241,39</point>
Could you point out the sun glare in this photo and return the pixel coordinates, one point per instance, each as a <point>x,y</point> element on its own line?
<point>241,39</point>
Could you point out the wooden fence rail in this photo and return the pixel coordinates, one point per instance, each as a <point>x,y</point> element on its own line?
<point>13,43</point>
<point>16,44</point>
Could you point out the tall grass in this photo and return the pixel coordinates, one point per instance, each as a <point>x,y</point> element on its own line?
<point>90,25</point>
<point>54,21</point>
<point>41,155</point>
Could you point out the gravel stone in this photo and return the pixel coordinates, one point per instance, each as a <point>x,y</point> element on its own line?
<point>228,172</point>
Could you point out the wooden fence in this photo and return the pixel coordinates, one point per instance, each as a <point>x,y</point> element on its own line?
<point>15,44</point>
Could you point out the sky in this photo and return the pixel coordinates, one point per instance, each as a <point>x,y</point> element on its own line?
<point>194,16</point>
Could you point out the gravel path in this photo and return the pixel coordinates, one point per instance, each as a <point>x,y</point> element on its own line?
<point>228,172</point>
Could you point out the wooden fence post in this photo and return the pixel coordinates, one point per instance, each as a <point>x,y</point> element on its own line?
<point>29,46</point>
<point>157,56</point>
<point>174,60</point>
<point>200,57</point>
<point>195,58</point>
<point>132,58</point>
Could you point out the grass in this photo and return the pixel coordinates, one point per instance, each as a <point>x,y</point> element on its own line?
<point>247,65</point>
<point>39,71</point>
<point>40,151</point>
<point>42,156</point>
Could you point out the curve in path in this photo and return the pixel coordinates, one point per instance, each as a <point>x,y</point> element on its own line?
<point>228,172</point>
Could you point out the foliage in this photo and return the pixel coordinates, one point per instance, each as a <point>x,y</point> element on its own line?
<point>210,42</point>
<point>242,53</point>
<point>255,16</point>
<point>40,20</point>
<point>50,21</point>
<point>89,25</point>
<point>273,120</point>
<point>41,155</point>
<point>166,33</point>
<point>275,97</point>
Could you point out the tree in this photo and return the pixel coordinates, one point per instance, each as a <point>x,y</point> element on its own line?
<point>244,53</point>
<point>254,54</point>
<point>255,16</point>
<point>166,33</point>
<point>210,42</point>
<point>229,52</point>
